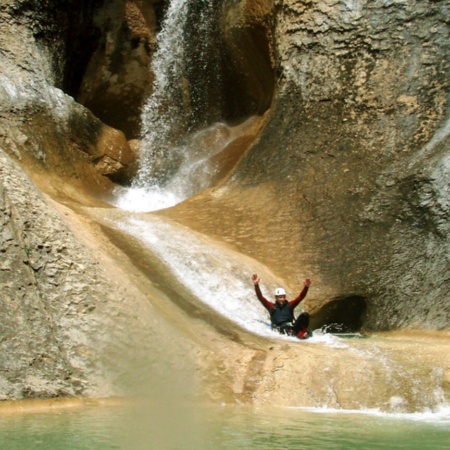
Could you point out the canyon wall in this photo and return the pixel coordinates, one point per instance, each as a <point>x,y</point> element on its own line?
<point>65,314</point>
<point>347,183</point>
<point>361,119</point>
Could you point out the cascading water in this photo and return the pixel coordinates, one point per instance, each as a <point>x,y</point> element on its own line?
<point>180,132</point>
<point>180,135</point>
<point>161,116</point>
<point>212,276</point>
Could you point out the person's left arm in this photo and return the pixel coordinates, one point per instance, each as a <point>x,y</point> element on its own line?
<point>294,303</point>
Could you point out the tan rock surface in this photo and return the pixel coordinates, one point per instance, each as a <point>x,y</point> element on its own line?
<point>347,183</point>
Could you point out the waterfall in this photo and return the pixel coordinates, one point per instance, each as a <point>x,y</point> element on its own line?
<point>162,114</point>
<point>181,132</point>
<point>181,129</point>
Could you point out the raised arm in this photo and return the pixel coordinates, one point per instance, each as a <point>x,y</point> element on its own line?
<point>294,303</point>
<point>266,303</point>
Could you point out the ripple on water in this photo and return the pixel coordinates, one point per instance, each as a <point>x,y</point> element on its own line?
<point>219,428</point>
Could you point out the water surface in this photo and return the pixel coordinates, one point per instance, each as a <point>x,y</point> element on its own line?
<point>150,426</point>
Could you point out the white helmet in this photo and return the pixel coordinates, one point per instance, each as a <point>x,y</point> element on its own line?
<point>279,291</point>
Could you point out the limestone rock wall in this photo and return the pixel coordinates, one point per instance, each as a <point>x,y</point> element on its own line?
<point>348,183</point>
<point>64,326</point>
<point>356,150</point>
<point>40,124</point>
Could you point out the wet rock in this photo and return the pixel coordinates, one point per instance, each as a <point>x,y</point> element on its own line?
<point>248,31</point>
<point>114,155</point>
<point>342,184</point>
<point>118,79</point>
<point>40,123</point>
<point>67,323</point>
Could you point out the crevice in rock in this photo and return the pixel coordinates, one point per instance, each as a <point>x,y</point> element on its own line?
<point>342,314</point>
<point>101,49</point>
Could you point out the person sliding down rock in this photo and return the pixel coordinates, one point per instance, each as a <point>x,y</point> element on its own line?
<point>282,311</point>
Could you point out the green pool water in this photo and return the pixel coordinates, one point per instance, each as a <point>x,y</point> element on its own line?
<point>160,427</point>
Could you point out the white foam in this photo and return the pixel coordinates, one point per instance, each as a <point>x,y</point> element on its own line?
<point>439,414</point>
<point>214,274</point>
<point>211,275</point>
<point>138,199</point>
<point>328,339</point>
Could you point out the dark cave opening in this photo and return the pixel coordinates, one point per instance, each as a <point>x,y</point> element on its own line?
<point>341,315</point>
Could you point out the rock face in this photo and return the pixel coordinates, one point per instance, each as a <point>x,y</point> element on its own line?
<point>360,123</point>
<point>62,315</point>
<point>35,271</point>
<point>118,79</point>
<point>39,123</point>
<point>65,319</point>
<point>351,171</point>
<point>348,182</point>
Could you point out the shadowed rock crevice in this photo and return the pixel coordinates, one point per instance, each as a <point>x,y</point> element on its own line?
<point>248,35</point>
<point>108,48</point>
<point>345,314</point>
<point>115,79</point>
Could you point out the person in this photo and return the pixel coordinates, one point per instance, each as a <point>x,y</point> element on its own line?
<point>282,311</point>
